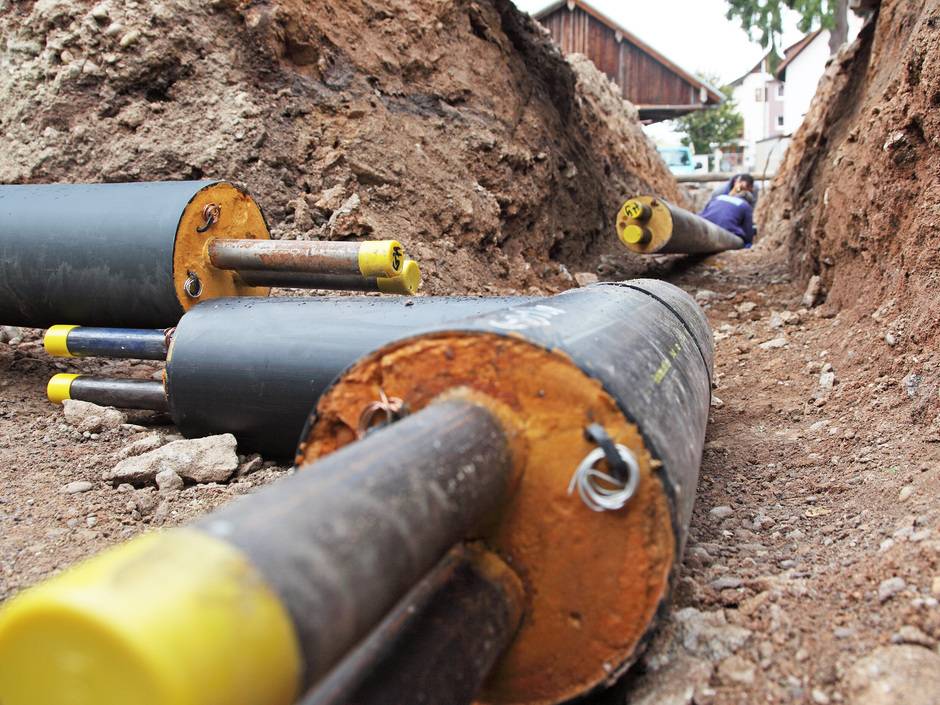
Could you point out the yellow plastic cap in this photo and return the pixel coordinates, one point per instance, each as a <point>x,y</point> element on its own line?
<point>633,234</point>
<point>406,283</point>
<point>174,618</point>
<point>58,390</point>
<point>381,258</point>
<point>56,341</point>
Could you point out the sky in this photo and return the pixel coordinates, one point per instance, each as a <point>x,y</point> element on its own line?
<point>692,33</point>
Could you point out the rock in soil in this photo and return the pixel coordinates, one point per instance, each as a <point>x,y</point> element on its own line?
<point>142,445</point>
<point>90,417</point>
<point>813,291</point>
<point>896,675</point>
<point>77,487</point>
<point>708,634</point>
<point>210,459</point>
<point>675,684</point>
<point>167,480</point>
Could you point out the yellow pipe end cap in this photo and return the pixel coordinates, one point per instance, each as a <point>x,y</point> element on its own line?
<point>632,209</point>
<point>59,389</point>
<point>175,618</point>
<point>56,341</point>
<point>632,234</point>
<point>407,283</point>
<point>381,258</point>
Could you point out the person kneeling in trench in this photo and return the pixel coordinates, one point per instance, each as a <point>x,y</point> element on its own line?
<point>734,211</point>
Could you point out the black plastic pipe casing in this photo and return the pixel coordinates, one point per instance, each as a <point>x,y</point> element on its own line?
<point>91,254</point>
<point>255,367</point>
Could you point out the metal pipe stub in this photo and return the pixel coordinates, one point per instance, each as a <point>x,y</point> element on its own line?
<point>127,343</point>
<point>374,258</point>
<point>407,282</point>
<point>648,225</point>
<point>439,643</point>
<point>256,601</point>
<point>108,391</point>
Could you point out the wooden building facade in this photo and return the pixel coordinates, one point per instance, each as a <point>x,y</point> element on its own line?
<point>656,86</point>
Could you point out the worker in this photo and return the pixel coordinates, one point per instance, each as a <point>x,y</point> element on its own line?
<point>726,187</point>
<point>734,211</point>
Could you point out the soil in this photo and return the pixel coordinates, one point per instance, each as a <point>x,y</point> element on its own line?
<point>816,535</point>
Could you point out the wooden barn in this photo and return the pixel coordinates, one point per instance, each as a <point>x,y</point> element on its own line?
<point>655,85</point>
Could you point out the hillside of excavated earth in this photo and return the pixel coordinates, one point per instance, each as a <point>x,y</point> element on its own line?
<point>344,120</point>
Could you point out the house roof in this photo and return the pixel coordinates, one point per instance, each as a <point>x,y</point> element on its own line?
<point>714,95</point>
<point>757,68</point>
<point>794,50</point>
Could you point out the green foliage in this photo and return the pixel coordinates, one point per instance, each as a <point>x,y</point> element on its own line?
<point>712,127</point>
<point>762,19</point>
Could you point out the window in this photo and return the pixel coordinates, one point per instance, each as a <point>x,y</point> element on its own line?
<point>780,121</point>
<point>759,94</point>
<point>780,90</point>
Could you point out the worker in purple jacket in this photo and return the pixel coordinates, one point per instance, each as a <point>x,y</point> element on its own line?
<point>734,211</point>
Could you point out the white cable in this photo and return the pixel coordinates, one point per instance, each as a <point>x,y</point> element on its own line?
<point>602,492</point>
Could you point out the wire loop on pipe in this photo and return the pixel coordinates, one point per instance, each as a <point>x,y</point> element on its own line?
<point>600,491</point>
<point>392,407</point>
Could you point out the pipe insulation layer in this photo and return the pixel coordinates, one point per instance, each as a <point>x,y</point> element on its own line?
<point>648,225</point>
<point>116,254</point>
<point>255,367</point>
<point>245,607</point>
<point>635,358</point>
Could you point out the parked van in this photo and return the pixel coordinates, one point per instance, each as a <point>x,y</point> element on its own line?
<point>680,160</point>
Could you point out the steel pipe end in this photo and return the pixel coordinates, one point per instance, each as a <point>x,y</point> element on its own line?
<point>56,341</point>
<point>175,617</point>
<point>407,283</point>
<point>59,387</point>
<point>634,209</point>
<point>635,235</point>
<point>381,258</point>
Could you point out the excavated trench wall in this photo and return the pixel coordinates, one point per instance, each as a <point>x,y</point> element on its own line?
<point>857,200</point>
<point>455,126</point>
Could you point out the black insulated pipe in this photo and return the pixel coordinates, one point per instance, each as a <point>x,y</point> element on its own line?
<point>648,225</point>
<point>255,367</point>
<point>96,254</point>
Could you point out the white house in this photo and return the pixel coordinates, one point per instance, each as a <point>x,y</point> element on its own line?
<point>759,97</point>
<point>773,100</point>
<point>802,67</point>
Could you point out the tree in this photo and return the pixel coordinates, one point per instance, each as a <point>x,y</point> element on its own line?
<point>712,127</point>
<point>763,19</point>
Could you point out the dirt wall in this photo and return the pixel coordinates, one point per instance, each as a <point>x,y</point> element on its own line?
<point>857,200</point>
<point>455,126</point>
